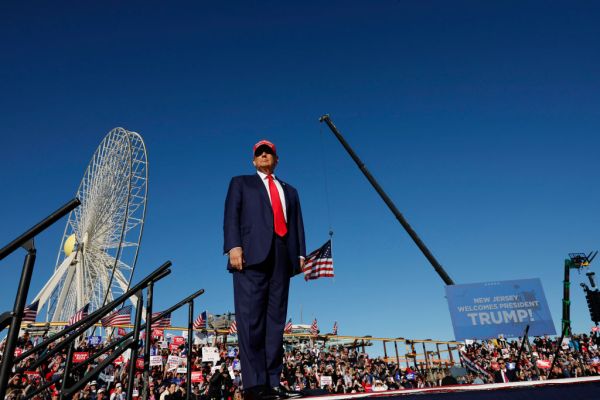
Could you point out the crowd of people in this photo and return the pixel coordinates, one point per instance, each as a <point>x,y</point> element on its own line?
<point>308,367</point>
<point>497,360</point>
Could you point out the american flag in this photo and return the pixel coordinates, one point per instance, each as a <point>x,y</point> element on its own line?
<point>319,263</point>
<point>335,328</point>
<point>314,328</point>
<point>30,312</point>
<point>233,327</point>
<point>473,365</point>
<point>118,317</point>
<point>200,322</point>
<point>164,322</point>
<point>288,327</point>
<point>79,315</point>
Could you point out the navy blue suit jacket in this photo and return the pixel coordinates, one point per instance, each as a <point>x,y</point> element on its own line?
<point>248,221</point>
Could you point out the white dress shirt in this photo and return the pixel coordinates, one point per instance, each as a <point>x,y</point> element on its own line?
<point>265,180</point>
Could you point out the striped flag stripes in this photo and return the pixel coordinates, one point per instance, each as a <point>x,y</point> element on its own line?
<point>118,317</point>
<point>79,315</point>
<point>319,263</point>
<point>314,328</point>
<point>288,327</point>
<point>233,328</point>
<point>473,365</point>
<point>200,321</point>
<point>30,312</point>
<point>164,322</point>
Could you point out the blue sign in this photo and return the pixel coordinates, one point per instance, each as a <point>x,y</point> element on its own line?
<point>94,340</point>
<point>487,310</point>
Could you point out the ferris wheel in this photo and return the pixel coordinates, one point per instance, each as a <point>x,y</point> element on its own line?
<point>101,241</point>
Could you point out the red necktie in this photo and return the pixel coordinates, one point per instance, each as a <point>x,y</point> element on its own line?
<point>278,218</point>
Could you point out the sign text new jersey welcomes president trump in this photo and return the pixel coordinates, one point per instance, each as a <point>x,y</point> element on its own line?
<point>486,310</point>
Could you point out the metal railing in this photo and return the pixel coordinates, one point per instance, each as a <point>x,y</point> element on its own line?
<point>14,318</point>
<point>65,339</point>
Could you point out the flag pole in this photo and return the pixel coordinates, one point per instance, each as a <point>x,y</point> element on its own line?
<point>525,338</point>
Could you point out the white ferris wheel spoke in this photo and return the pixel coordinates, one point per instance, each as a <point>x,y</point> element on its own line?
<point>60,305</point>
<point>54,280</point>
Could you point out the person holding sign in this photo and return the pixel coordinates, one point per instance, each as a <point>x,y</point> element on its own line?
<point>264,239</point>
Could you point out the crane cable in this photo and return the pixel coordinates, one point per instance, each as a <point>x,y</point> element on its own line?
<point>326,186</point>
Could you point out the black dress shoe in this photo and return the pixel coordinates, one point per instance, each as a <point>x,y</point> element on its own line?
<point>281,393</point>
<point>256,393</point>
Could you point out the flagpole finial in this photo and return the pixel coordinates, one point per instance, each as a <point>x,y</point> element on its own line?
<point>330,233</point>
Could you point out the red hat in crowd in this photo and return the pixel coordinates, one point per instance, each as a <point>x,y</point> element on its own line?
<point>264,143</point>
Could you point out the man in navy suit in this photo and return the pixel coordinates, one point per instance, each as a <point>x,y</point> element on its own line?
<point>503,374</point>
<point>264,239</point>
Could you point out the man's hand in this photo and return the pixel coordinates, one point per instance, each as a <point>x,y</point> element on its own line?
<point>236,258</point>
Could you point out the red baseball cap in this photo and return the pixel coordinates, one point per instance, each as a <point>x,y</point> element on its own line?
<point>265,143</point>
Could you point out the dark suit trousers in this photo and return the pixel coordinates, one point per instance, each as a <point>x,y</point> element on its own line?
<point>261,299</point>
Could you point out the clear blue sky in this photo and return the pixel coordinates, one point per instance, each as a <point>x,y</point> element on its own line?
<point>480,119</point>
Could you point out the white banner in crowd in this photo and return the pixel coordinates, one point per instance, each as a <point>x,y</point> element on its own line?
<point>106,378</point>
<point>210,354</point>
<point>326,380</point>
<point>172,362</point>
<point>155,360</point>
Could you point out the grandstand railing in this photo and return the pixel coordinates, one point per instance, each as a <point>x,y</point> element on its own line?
<point>14,318</point>
<point>130,341</point>
<point>74,331</point>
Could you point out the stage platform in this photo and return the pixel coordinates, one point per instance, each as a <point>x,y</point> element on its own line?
<point>587,388</point>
